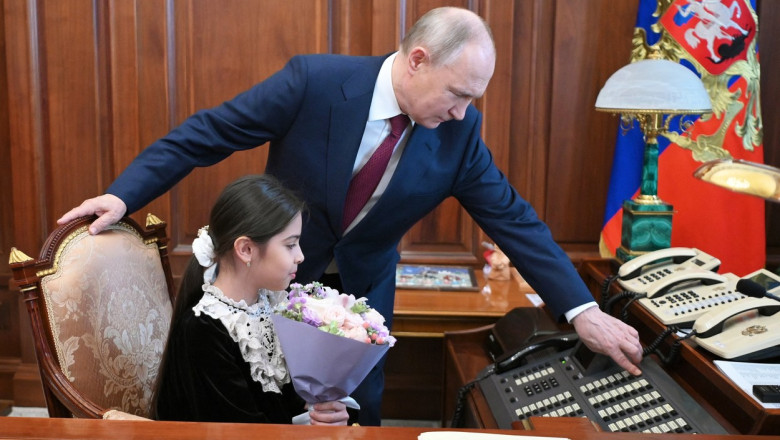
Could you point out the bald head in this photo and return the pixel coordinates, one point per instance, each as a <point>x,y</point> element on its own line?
<point>446,31</point>
<point>444,63</point>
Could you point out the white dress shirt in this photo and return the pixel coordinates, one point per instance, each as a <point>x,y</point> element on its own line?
<point>383,107</point>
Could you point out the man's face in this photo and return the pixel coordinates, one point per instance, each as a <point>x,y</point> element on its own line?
<point>435,94</point>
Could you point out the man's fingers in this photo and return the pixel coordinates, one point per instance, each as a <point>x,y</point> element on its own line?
<point>626,364</point>
<point>101,223</point>
<point>627,353</point>
<point>73,214</point>
<point>108,207</point>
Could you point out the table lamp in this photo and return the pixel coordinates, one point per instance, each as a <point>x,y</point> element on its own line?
<point>652,92</point>
<point>742,176</point>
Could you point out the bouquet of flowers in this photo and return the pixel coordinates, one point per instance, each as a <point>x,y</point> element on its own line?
<point>319,326</point>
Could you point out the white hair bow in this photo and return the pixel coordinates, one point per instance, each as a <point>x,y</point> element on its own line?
<point>203,249</point>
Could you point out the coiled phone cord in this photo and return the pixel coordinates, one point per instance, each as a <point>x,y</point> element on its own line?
<point>634,296</point>
<point>620,296</point>
<point>605,286</point>
<point>674,350</point>
<point>457,417</point>
<point>460,402</point>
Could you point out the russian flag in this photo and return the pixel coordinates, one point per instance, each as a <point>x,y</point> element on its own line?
<point>718,42</point>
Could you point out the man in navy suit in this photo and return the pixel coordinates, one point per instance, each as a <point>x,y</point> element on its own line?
<point>324,115</point>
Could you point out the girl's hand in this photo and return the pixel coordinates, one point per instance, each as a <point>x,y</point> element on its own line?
<point>329,413</point>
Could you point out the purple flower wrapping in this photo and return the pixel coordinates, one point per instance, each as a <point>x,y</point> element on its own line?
<point>324,366</point>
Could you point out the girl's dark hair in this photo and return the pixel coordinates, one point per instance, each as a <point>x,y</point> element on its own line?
<point>255,206</point>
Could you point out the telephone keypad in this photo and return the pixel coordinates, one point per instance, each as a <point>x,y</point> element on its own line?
<point>683,306</point>
<point>651,277</point>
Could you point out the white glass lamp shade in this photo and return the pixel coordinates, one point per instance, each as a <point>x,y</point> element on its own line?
<point>755,179</point>
<point>654,86</point>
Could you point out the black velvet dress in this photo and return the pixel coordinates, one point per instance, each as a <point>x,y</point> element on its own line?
<point>207,379</point>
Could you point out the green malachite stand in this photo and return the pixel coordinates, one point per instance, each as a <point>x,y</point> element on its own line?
<point>645,228</point>
<point>647,220</point>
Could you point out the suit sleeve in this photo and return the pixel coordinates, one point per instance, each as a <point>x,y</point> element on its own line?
<point>513,224</point>
<point>261,114</point>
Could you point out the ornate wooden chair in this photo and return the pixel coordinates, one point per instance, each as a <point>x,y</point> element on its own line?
<point>100,308</point>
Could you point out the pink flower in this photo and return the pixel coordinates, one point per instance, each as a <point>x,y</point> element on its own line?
<point>333,312</point>
<point>358,334</point>
<point>353,320</point>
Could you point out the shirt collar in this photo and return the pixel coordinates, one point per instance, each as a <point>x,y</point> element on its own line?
<point>384,105</point>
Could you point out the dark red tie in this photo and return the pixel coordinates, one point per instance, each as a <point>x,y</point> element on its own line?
<point>366,180</point>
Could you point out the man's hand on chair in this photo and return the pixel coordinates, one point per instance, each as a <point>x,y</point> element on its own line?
<point>109,208</point>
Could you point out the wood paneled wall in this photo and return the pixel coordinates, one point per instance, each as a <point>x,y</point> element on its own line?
<point>86,85</point>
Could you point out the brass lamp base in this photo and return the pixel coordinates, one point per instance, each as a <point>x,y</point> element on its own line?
<point>647,227</point>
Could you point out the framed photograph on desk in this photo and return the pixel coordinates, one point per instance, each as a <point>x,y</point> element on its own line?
<point>419,276</point>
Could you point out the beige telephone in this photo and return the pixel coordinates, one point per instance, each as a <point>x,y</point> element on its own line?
<point>683,305</point>
<point>748,330</point>
<point>659,271</point>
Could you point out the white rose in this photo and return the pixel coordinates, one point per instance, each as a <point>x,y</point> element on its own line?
<point>374,317</point>
<point>317,308</point>
<point>332,313</point>
<point>347,301</point>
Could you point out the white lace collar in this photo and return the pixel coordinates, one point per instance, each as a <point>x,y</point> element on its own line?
<point>251,327</point>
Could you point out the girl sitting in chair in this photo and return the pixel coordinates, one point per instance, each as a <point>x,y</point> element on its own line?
<point>223,362</point>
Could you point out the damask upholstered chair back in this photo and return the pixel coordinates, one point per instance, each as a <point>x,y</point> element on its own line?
<point>100,308</point>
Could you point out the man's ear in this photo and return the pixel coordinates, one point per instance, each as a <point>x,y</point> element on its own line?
<point>418,57</point>
<point>244,249</point>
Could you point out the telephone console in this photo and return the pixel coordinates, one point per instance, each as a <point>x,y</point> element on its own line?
<point>579,383</point>
<point>655,272</point>
<point>682,305</point>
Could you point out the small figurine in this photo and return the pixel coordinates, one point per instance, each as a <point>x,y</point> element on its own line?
<point>498,262</point>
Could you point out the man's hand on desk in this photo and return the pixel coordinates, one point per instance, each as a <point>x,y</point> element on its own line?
<point>607,335</point>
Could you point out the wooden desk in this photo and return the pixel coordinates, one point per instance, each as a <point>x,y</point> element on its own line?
<point>415,366</point>
<point>91,429</point>
<point>430,313</point>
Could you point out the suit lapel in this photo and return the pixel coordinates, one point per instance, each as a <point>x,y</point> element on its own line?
<point>347,123</point>
<point>417,157</point>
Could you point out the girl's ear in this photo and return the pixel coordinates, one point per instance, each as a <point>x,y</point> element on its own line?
<point>244,249</point>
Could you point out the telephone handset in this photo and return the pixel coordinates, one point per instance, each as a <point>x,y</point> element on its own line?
<point>685,278</point>
<point>713,322</point>
<point>683,305</point>
<point>749,330</point>
<point>647,272</point>
<point>558,342</point>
